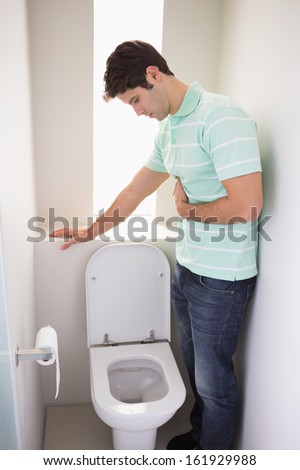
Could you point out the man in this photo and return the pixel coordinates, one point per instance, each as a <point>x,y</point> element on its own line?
<point>209,144</point>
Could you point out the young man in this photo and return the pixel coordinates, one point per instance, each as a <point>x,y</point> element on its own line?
<point>209,145</point>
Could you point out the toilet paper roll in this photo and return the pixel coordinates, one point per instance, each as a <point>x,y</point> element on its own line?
<point>47,338</point>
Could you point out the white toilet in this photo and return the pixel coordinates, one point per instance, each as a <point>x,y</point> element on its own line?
<point>135,383</point>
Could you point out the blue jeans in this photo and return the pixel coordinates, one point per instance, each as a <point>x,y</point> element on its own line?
<point>209,313</point>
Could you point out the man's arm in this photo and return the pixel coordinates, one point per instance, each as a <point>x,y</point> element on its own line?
<point>243,202</point>
<point>144,183</point>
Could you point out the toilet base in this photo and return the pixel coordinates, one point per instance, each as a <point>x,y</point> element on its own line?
<point>127,440</point>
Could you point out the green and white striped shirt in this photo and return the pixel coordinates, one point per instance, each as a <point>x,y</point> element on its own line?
<point>210,139</point>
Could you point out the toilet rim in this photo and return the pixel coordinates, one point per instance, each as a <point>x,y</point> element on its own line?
<point>159,354</point>
<point>151,362</point>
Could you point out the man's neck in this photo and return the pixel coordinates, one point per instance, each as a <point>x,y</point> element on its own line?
<point>176,91</point>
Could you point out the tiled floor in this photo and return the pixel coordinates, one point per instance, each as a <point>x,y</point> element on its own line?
<point>78,427</point>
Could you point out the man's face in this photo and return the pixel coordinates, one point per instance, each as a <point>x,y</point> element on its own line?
<point>152,103</point>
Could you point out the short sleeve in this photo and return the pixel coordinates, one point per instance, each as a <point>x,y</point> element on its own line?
<point>155,161</point>
<point>230,138</point>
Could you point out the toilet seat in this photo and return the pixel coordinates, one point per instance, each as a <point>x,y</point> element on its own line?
<point>109,408</point>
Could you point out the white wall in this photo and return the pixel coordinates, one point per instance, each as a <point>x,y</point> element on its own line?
<point>61,51</point>
<point>17,193</point>
<point>260,68</point>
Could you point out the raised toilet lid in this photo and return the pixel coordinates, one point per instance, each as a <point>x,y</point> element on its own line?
<point>127,293</point>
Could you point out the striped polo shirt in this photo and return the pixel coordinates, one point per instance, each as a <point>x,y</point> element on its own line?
<point>210,139</point>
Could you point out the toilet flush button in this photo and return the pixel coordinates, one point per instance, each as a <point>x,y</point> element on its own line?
<point>160,274</point>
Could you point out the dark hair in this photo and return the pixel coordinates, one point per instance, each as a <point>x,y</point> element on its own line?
<point>126,67</point>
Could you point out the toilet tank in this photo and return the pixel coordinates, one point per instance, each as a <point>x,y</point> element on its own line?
<point>127,294</point>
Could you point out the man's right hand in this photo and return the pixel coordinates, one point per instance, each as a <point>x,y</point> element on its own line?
<point>79,235</point>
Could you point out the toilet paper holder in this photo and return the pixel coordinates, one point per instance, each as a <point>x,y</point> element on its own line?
<point>43,354</point>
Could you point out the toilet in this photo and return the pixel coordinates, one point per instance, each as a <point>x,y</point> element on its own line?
<point>135,382</point>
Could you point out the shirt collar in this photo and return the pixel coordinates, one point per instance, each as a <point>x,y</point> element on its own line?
<point>190,101</point>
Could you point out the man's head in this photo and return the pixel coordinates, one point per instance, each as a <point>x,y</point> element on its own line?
<point>126,67</point>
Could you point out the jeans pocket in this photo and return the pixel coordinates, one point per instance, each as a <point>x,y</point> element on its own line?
<point>217,285</point>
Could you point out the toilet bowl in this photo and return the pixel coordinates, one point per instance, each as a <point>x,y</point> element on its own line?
<point>135,382</point>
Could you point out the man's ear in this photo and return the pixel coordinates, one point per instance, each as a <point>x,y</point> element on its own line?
<point>153,74</point>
